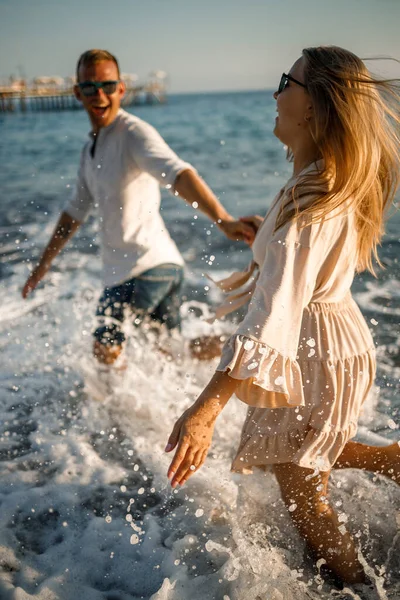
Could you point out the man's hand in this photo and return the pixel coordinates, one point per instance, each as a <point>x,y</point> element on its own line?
<point>255,221</point>
<point>33,280</point>
<point>237,230</point>
<point>64,230</point>
<point>196,192</point>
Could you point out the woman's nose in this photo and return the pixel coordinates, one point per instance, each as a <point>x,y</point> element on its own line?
<point>275,95</point>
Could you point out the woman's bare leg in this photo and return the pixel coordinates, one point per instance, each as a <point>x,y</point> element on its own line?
<point>306,497</point>
<point>378,459</point>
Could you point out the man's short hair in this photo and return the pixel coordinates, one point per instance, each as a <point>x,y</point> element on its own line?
<point>91,57</point>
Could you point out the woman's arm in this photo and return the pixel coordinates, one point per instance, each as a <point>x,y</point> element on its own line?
<point>193,431</point>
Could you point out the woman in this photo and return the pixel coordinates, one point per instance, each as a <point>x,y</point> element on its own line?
<point>303,357</point>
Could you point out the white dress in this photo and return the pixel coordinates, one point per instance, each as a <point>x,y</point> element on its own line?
<point>303,353</point>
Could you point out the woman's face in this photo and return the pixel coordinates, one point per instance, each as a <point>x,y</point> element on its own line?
<point>294,109</point>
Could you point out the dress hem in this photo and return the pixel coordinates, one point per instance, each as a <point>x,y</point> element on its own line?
<point>311,449</point>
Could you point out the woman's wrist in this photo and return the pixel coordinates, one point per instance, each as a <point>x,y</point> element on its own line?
<point>217,394</point>
<point>209,405</point>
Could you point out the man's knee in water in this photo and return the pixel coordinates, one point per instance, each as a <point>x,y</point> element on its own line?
<point>106,354</point>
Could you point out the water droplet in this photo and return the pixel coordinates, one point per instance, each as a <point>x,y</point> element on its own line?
<point>134,539</point>
<point>252,366</point>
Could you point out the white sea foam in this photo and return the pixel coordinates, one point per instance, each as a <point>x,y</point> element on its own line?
<point>86,509</point>
<point>77,446</point>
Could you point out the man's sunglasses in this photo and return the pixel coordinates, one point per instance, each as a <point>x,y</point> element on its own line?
<point>284,82</point>
<point>90,88</point>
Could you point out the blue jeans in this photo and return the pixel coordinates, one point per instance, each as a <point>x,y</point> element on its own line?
<point>154,293</point>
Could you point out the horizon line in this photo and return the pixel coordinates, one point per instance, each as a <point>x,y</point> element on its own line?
<point>227,91</point>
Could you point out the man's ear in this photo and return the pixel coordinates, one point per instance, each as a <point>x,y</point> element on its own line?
<point>77,93</point>
<point>121,88</point>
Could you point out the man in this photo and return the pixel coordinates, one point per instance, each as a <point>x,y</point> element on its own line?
<point>121,169</point>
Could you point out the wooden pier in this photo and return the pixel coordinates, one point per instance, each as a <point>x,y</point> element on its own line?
<point>31,99</point>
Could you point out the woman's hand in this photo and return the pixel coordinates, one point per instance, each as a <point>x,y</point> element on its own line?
<point>192,433</point>
<point>237,230</point>
<point>254,221</point>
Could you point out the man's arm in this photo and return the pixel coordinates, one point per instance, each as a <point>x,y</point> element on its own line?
<point>194,190</point>
<point>65,229</point>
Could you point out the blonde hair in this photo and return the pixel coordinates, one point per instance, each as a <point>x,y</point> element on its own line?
<point>356,128</point>
<point>91,57</point>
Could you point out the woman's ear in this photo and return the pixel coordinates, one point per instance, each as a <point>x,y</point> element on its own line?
<point>309,113</point>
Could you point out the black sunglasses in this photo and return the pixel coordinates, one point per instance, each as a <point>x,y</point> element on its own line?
<point>284,82</point>
<point>90,88</point>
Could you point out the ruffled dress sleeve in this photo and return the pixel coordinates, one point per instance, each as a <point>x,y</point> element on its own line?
<point>262,352</point>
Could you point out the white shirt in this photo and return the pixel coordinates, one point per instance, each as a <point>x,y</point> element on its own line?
<point>122,180</point>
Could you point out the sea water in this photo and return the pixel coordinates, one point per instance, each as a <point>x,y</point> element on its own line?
<point>86,511</point>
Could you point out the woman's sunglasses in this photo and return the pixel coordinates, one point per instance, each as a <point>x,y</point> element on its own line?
<point>90,88</point>
<point>284,82</point>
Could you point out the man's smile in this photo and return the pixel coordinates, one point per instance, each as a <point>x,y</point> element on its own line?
<point>99,110</point>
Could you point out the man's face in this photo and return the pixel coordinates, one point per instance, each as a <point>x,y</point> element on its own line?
<point>102,108</point>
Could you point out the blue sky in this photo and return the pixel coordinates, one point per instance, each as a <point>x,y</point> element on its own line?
<point>202,44</point>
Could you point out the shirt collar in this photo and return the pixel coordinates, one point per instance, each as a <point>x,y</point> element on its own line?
<point>105,130</point>
<point>316,166</point>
